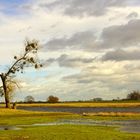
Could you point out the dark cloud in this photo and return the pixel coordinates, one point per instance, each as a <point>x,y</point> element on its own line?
<point>80,40</point>
<point>67,61</point>
<point>116,36</point>
<point>121,55</point>
<point>121,35</point>
<point>79,78</point>
<point>49,61</point>
<point>132,15</point>
<point>91,77</point>
<point>87,7</point>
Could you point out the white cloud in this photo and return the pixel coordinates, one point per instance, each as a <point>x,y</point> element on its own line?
<point>78,33</point>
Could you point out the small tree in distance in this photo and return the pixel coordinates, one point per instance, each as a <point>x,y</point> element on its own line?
<point>29,99</point>
<point>52,99</point>
<point>135,95</point>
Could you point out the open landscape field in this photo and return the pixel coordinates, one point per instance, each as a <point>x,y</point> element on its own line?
<point>113,108</point>
<point>69,70</point>
<point>33,125</point>
<point>87,104</point>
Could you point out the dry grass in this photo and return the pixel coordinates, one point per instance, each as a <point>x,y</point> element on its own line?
<point>84,104</point>
<point>11,112</point>
<point>113,114</point>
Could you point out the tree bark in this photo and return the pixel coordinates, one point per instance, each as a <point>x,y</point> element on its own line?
<point>6,95</point>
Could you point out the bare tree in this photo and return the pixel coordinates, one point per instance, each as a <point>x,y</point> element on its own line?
<point>28,58</point>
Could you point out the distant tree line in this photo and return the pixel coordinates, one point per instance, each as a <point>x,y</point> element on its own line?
<point>134,95</point>
<point>50,99</point>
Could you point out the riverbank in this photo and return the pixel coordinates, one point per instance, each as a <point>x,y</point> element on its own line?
<point>85,104</point>
<point>82,110</point>
<point>10,117</point>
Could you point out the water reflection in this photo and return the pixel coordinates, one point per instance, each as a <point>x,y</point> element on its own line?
<point>132,126</point>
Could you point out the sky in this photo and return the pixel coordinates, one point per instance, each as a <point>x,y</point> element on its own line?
<point>90,48</point>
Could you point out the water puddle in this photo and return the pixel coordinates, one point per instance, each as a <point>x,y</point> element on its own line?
<point>9,128</point>
<point>132,126</point>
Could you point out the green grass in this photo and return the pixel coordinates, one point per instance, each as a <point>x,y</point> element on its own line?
<point>14,117</point>
<point>61,132</point>
<point>68,132</point>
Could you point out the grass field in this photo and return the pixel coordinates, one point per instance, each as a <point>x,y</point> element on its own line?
<point>61,132</point>
<point>68,132</point>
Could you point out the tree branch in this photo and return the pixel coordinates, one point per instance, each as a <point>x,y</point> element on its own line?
<point>14,83</point>
<point>15,64</point>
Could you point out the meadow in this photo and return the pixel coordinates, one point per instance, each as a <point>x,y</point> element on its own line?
<point>11,117</point>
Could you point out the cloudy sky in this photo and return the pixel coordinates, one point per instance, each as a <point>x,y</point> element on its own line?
<point>90,47</point>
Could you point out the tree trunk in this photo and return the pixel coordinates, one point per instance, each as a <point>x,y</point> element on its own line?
<point>6,95</point>
<point>7,100</point>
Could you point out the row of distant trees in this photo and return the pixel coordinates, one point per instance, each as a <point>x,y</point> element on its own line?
<point>134,95</point>
<point>50,99</point>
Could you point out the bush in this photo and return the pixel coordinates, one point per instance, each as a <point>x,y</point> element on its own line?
<point>52,99</point>
<point>135,95</point>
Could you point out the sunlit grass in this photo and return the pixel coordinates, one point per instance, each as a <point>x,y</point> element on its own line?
<point>61,132</point>
<point>129,104</point>
<point>68,132</point>
<point>9,112</point>
<point>113,114</point>
<point>11,116</point>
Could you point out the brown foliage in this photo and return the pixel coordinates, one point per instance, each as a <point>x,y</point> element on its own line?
<point>52,99</point>
<point>135,95</point>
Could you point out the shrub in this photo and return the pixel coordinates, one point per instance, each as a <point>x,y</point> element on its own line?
<point>135,95</point>
<point>52,99</point>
